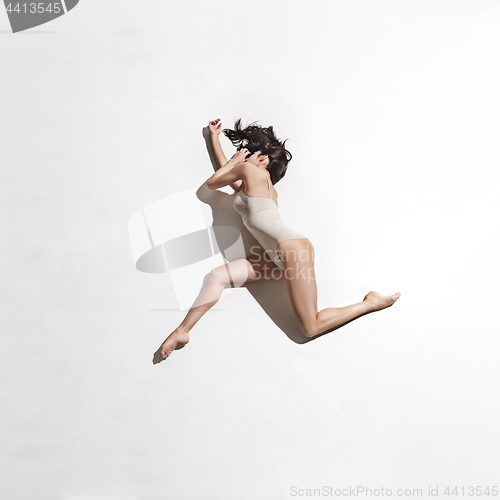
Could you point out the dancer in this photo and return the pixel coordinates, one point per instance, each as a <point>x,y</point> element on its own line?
<point>260,162</point>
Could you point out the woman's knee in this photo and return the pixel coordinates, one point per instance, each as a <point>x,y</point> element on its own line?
<point>219,274</point>
<point>235,272</point>
<point>309,329</point>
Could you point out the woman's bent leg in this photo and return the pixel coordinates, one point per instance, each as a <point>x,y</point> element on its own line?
<point>254,268</point>
<point>298,259</point>
<point>237,272</point>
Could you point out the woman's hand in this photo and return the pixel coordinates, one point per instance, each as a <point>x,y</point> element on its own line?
<point>240,155</point>
<point>215,127</point>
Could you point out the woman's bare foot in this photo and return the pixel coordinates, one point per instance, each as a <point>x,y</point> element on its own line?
<point>378,301</point>
<point>176,340</point>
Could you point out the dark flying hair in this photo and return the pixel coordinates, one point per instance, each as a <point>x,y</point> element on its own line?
<point>257,138</point>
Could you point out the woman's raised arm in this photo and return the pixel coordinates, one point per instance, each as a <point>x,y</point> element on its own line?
<point>233,171</point>
<point>215,127</point>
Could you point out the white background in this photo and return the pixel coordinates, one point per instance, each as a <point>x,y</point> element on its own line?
<point>392,113</point>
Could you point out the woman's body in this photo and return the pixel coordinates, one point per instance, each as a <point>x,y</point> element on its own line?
<point>261,216</point>
<point>247,172</point>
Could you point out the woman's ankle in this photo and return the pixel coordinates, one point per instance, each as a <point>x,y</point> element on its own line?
<point>182,329</point>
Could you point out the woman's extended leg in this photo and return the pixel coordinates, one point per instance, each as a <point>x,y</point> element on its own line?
<point>298,259</point>
<point>254,268</point>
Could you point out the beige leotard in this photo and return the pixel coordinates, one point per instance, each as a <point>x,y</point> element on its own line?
<point>262,219</point>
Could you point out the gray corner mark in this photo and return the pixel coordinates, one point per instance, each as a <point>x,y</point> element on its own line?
<point>24,15</point>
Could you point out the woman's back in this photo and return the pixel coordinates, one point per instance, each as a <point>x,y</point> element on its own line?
<point>258,185</point>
